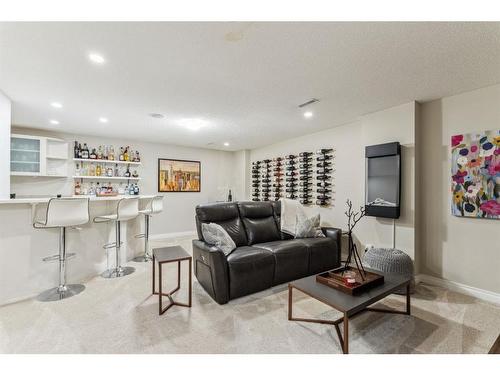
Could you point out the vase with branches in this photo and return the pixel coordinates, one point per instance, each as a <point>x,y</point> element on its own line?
<point>352,219</point>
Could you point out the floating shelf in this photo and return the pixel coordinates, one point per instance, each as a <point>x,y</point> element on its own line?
<point>108,161</point>
<point>57,157</point>
<point>107,178</point>
<point>32,174</point>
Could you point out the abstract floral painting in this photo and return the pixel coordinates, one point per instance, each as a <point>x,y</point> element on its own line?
<point>475,174</point>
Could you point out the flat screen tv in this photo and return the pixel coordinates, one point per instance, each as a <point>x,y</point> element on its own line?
<point>383,180</point>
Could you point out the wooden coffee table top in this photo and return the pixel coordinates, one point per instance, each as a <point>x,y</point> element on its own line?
<point>170,254</point>
<point>345,302</point>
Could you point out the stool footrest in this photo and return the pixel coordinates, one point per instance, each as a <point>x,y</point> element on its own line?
<point>140,235</point>
<point>51,258</point>
<point>111,245</point>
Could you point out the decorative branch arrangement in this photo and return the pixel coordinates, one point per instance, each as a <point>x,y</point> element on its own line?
<point>352,219</point>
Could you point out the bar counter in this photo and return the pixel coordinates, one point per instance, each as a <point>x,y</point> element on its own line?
<point>23,274</point>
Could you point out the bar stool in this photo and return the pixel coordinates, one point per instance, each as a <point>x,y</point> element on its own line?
<point>63,213</point>
<point>153,206</point>
<point>126,209</point>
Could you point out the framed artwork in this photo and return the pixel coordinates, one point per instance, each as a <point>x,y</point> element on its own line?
<point>475,174</point>
<point>179,176</point>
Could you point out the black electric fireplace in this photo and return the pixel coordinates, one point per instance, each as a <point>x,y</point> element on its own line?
<point>383,180</point>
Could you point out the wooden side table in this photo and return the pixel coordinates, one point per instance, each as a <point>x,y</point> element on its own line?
<point>163,256</point>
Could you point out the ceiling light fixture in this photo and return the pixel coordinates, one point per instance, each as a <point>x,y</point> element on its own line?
<point>193,124</point>
<point>56,105</point>
<point>54,122</point>
<point>96,58</point>
<point>103,120</point>
<point>156,115</point>
<point>308,114</point>
<point>226,144</point>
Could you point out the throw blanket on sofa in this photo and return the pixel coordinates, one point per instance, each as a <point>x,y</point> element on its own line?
<point>290,209</point>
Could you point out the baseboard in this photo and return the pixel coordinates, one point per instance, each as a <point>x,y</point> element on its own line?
<point>458,287</point>
<point>168,236</point>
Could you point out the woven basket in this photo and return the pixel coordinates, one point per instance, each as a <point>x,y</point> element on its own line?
<point>391,261</point>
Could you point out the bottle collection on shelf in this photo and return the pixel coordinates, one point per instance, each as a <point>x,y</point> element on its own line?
<point>97,189</point>
<point>105,153</point>
<point>298,173</point>
<point>104,170</point>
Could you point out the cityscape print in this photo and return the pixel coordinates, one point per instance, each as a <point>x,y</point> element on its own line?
<point>179,176</point>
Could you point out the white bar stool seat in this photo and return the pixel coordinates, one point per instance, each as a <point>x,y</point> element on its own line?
<point>63,213</point>
<point>126,209</point>
<point>153,206</point>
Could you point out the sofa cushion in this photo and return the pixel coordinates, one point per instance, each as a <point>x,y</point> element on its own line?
<point>226,215</point>
<point>251,269</point>
<point>323,254</point>
<point>292,259</point>
<point>259,223</point>
<point>277,217</point>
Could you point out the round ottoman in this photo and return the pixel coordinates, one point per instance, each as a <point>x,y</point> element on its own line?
<point>390,261</point>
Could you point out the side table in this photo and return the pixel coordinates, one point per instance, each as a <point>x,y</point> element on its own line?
<point>163,256</point>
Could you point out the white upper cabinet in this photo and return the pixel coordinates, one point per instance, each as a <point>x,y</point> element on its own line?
<point>38,156</point>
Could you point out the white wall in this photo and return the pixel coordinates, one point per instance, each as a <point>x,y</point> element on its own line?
<point>349,141</point>
<point>463,250</point>
<point>217,177</point>
<point>5,116</point>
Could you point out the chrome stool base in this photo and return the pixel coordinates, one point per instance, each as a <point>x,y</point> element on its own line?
<point>117,272</point>
<point>143,258</point>
<point>59,293</point>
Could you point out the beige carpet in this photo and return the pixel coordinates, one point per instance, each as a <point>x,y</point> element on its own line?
<point>119,316</point>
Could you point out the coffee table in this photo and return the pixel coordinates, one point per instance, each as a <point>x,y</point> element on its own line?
<point>347,304</point>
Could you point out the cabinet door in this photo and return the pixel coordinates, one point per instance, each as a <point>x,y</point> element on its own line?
<point>25,156</point>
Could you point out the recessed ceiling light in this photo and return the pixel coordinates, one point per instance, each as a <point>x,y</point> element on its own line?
<point>103,120</point>
<point>96,58</point>
<point>308,114</point>
<point>193,124</point>
<point>156,115</point>
<point>226,144</point>
<point>54,122</point>
<point>56,105</point>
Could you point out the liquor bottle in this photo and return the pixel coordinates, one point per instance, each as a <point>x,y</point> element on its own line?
<point>78,188</point>
<point>78,170</point>
<point>121,189</point>
<point>97,189</point>
<point>127,172</point>
<point>116,172</point>
<point>135,174</point>
<point>121,157</point>
<point>92,189</point>
<point>93,154</point>
<point>99,153</point>
<point>136,189</point>
<point>76,150</point>
<point>131,190</point>
<point>229,196</point>
<point>109,172</point>
<point>85,151</point>
<point>137,157</point>
<point>324,151</point>
<point>125,154</point>
<point>98,170</point>
<point>92,170</point>
<point>111,154</point>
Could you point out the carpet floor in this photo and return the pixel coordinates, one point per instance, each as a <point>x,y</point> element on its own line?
<point>121,316</point>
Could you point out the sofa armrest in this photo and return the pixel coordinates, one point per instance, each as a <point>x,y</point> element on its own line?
<point>336,234</point>
<point>210,268</point>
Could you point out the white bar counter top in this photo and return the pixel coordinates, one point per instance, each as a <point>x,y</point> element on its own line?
<point>35,200</point>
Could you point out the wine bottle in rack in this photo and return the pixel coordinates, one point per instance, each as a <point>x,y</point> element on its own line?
<point>324,150</point>
<point>324,171</point>
<point>324,164</point>
<point>305,154</point>
<point>324,157</point>
<point>324,184</point>
<point>305,178</point>
<point>323,177</point>
<point>288,157</point>
<point>323,191</point>
<point>305,183</point>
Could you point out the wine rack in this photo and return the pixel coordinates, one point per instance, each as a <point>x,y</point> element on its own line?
<point>291,176</point>
<point>306,177</point>
<point>265,181</point>
<point>278,174</point>
<point>256,180</point>
<point>324,169</point>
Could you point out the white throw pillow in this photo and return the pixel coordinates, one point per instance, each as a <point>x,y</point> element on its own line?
<point>217,236</point>
<point>308,227</point>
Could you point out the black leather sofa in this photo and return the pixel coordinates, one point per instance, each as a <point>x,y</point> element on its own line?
<point>264,256</point>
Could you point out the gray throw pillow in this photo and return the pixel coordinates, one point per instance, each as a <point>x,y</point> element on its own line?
<point>217,236</point>
<point>308,227</point>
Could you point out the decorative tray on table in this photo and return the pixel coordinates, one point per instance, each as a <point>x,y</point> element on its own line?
<point>335,279</point>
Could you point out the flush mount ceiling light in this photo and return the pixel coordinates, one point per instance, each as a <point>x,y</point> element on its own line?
<point>56,105</point>
<point>226,144</point>
<point>156,115</point>
<point>308,114</point>
<point>103,120</point>
<point>96,58</point>
<point>54,122</point>
<point>193,124</point>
